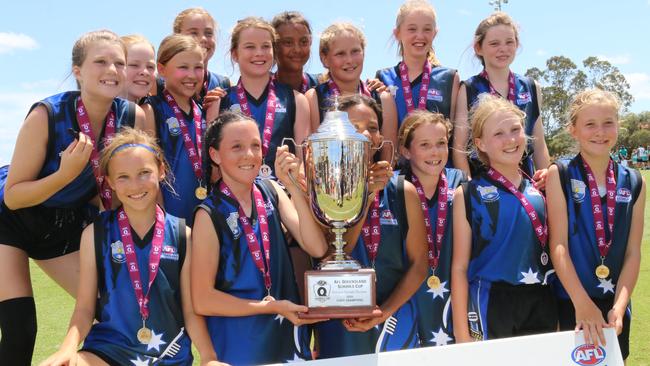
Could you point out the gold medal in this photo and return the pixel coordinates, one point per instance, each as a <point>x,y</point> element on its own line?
<point>433,282</point>
<point>602,271</point>
<point>265,172</point>
<point>201,192</point>
<point>144,335</point>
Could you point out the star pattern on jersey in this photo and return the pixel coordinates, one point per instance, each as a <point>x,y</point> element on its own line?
<point>279,318</point>
<point>155,342</point>
<point>139,362</point>
<point>606,285</point>
<point>530,277</point>
<point>439,291</point>
<point>295,358</point>
<point>440,338</point>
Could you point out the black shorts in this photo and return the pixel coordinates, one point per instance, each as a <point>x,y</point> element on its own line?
<point>44,232</point>
<point>567,315</point>
<point>520,310</point>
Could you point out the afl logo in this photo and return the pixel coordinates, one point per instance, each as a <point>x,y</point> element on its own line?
<point>578,190</point>
<point>174,126</point>
<point>588,354</point>
<point>489,193</point>
<point>624,195</point>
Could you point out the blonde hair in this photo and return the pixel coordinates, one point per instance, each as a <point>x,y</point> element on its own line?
<point>131,39</point>
<point>129,138</point>
<point>180,18</point>
<point>497,18</point>
<point>483,109</point>
<point>335,30</point>
<point>421,6</point>
<point>175,44</point>
<point>591,97</point>
<point>80,48</point>
<point>251,22</point>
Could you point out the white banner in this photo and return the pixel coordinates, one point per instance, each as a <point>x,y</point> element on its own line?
<point>557,349</point>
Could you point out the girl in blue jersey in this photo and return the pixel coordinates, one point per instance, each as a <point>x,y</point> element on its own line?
<point>278,110</point>
<point>136,258</point>
<point>496,40</point>
<point>242,278</point>
<point>500,263</point>
<point>199,24</point>
<point>46,193</point>
<point>597,224</point>
<point>418,81</point>
<point>397,254</point>
<point>176,119</point>
<point>140,68</point>
<point>342,48</point>
<point>293,50</point>
<point>423,143</point>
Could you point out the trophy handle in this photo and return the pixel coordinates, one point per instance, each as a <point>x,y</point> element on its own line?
<point>291,177</point>
<point>392,150</point>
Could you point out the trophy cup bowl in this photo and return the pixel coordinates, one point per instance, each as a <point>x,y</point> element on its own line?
<point>336,159</point>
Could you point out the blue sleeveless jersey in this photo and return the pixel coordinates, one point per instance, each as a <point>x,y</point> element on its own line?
<point>117,309</point>
<point>312,80</point>
<point>391,264</point>
<point>325,102</point>
<point>526,100</point>
<point>434,307</point>
<point>181,200</point>
<point>504,245</point>
<point>285,115</point>
<point>61,116</point>
<point>257,339</point>
<point>581,233</point>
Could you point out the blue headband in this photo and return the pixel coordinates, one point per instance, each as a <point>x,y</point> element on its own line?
<point>126,146</point>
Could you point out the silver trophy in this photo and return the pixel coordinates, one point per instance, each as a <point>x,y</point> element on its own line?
<point>336,159</point>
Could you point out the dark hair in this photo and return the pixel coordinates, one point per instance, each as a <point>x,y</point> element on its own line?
<point>213,137</point>
<point>290,17</point>
<point>349,101</point>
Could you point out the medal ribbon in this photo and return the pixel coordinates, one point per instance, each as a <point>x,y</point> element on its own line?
<point>435,246</point>
<point>372,231</point>
<point>337,92</point>
<point>406,86</point>
<point>541,230</point>
<point>610,184</point>
<point>269,118</point>
<point>305,84</point>
<point>264,265</point>
<point>194,153</point>
<point>511,85</point>
<point>105,193</point>
<point>132,260</point>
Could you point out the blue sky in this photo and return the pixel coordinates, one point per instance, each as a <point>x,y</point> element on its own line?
<point>36,38</point>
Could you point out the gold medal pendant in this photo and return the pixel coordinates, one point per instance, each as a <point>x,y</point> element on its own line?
<point>602,271</point>
<point>265,172</point>
<point>144,335</point>
<point>201,193</point>
<point>433,282</point>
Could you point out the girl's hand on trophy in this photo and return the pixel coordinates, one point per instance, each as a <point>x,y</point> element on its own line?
<point>289,311</point>
<point>287,163</point>
<point>379,175</point>
<point>364,324</point>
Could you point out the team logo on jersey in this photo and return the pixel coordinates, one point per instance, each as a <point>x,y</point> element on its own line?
<point>174,126</point>
<point>523,98</point>
<point>531,190</point>
<point>279,108</point>
<point>588,354</point>
<point>117,252</point>
<point>233,224</point>
<point>434,94</point>
<point>623,195</point>
<point>386,218</point>
<point>169,252</point>
<point>392,90</point>
<point>578,189</point>
<point>450,194</point>
<point>322,290</point>
<point>488,193</point>
<point>269,208</point>
<point>235,108</point>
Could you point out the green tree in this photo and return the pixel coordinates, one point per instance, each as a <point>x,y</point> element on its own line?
<point>562,79</point>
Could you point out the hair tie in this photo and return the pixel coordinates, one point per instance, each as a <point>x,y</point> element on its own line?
<point>126,146</point>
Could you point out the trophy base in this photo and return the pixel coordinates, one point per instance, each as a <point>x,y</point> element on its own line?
<point>340,293</point>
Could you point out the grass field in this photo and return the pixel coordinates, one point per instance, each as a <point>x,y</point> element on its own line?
<point>55,307</point>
